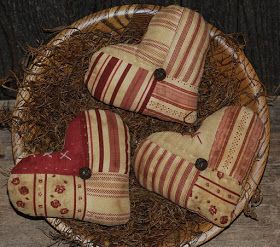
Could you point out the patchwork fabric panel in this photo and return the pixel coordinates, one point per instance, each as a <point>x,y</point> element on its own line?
<point>161,75</point>
<point>203,172</point>
<point>87,180</point>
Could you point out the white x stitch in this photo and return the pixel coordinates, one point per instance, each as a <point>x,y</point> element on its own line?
<point>64,155</point>
<point>48,154</point>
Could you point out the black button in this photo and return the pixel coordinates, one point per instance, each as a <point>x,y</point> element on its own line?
<point>85,173</point>
<point>201,164</point>
<point>160,74</point>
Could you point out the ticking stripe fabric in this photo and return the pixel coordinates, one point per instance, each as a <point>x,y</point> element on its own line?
<point>122,75</point>
<point>49,184</point>
<point>229,140</point>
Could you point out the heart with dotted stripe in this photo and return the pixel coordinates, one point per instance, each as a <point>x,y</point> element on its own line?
<point>87,180</point>
<point>204,172</point>
<point>160,76</point>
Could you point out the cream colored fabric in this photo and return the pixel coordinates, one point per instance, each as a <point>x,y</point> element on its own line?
<point>122,75</point>
<point>51,184</point>
<point>228,140</point>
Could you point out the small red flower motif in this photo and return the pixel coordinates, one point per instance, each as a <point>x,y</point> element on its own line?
<point>223,220</point>
<point>213,210</point>
<point>220,175</point>
<point>20,204</point>
<point>64,211</point>
<point>15,181</point>
<point>23,190</point>
<point>229,196</point>
<point>55,203</point>
<point>79,186</point>
<point>207,184</point>
<point>40,194</point>
<point>40,206</point>
<point>60,189</point>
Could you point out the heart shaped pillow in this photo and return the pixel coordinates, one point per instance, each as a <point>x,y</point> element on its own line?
<point>203,172</point>
<point>161,75</point>
<point>87,180</point>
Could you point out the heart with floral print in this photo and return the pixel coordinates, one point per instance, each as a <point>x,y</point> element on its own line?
<point>87,180</point>
<point>203,172</point>
<point>160,76</point>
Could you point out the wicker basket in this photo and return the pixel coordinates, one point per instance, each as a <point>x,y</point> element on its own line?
<point>114,20</point>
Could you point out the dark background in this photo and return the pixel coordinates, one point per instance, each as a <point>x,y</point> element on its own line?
<point>22,22</point>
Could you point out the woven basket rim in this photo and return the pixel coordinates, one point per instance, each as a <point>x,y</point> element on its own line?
<point>98,17</point>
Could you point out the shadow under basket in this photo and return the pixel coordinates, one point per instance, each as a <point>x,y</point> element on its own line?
<point>225,59</point>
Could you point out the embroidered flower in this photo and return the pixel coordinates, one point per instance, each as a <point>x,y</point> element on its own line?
<point>20,204</point>
<point>55,203</point>
<point>213,210</point>
<point>223,220</point>
<point>23,190</point>
<point>60,189</point>
<point>220,175</point>
<point>15,181</point>
<point>64,211</point>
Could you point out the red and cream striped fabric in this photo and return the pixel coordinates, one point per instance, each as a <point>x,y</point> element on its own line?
<point>51,184</point>
<point>122,75</point>
<point>229,140</point>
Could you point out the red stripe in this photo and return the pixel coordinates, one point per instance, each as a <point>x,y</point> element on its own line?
<point>148,164</point>
<point>116,90</point>
<point>45,195</point>
<point>189,193</point>
<point>91,140</point>
<point>142,157</point>
<point>34,195</point>
<point>99,71</point>
<point>100,138</point>
<point>248,149</point>
<point>173,95</point>
<point>166,169</point>
<point>196,82</point>
<point>84,139</point>
<point>215,195</point>
<point>197,54</point>
<point>104,77</point>
<point>112,77</point>
<point>74,211</point>
<point>155,173</point>
<point>85,200</point>
<point>220,185</point>
<point>148,96</point>
<point>133,88</point>
<point>182,182</point>
<point>93,67</point>
<point>222,136</point>
<point>113,141</point>
<point>126,131</point>
<point>180,42</point>
<point>190,45</point>
<point>173,178</point>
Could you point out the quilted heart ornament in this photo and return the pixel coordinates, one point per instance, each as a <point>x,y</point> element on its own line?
<point>87,180</point>
<point>203,172</point>
<point>161,75</point>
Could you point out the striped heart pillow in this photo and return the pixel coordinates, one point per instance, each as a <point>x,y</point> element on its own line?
<point>87,180</point>
<point>161,75</point>
<point>203,172</point>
